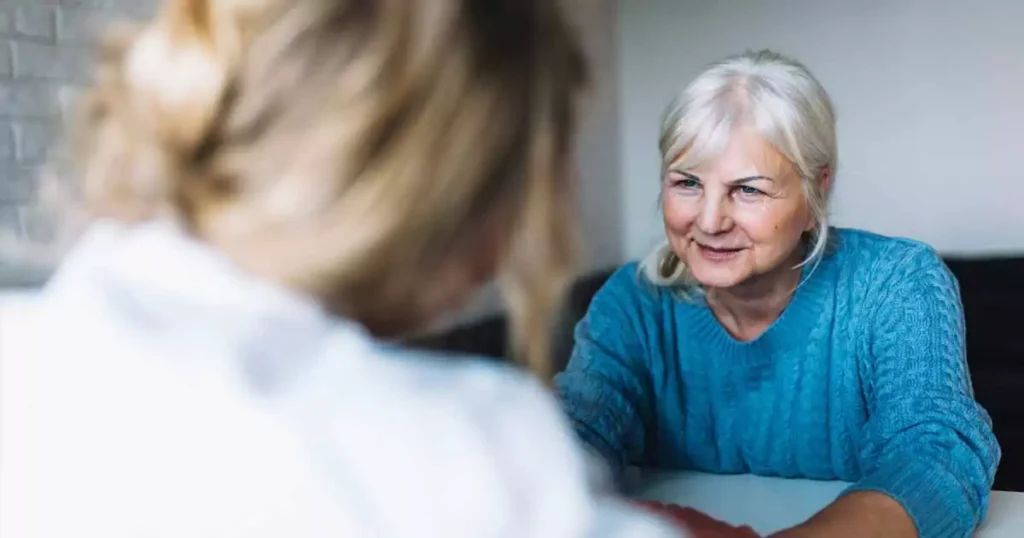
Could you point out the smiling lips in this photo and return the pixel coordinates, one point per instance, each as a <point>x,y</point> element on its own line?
<point>717,254</point>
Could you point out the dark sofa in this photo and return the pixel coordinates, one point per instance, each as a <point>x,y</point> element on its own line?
<point>993,302</point>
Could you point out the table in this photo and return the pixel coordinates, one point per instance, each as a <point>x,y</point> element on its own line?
<point>772,504</point>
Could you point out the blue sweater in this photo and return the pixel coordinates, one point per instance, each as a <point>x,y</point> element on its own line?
<point>863,378</point>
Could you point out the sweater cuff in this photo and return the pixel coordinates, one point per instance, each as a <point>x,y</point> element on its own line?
<point>930,495</point>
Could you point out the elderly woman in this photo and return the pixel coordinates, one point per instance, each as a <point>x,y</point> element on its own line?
<point>760,340</point>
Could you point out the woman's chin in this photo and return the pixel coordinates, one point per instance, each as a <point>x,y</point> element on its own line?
<point>717,277</point>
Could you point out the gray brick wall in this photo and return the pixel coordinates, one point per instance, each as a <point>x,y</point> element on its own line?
<point>44,60</point>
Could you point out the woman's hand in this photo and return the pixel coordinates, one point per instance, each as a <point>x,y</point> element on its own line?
<point>861,514</point>
<point>697,523</point>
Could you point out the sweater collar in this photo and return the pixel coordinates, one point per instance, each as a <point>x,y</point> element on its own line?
<point>790,330</point>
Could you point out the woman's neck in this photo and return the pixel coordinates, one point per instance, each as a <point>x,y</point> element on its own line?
<point>748,309</point>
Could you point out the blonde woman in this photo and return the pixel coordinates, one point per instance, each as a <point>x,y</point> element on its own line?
<point>275,186</point>
<point>760,340</point>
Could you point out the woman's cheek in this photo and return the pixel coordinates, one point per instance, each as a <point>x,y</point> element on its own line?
<point>777,228</point>
<point>755,222</point>
<point>678,216</point>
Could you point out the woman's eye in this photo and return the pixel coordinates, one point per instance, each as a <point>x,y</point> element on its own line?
<point>748,192</point>
<point>683,182</point>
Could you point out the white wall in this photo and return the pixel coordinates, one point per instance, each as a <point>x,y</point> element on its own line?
<point>929,94</point>
<point>45,47</point>
<point>600,205</point>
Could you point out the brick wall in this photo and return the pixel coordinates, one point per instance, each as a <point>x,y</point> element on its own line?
<point>44,60</point>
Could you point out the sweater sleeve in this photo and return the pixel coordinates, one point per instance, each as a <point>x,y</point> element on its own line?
<point>928,444</point>
<point>606,387</point>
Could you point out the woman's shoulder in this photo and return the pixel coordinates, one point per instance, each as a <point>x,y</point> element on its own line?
<point>628,289</point>
<point>626,279</point>
<point>869,255</point>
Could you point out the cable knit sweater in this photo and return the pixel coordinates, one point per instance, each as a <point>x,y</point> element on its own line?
<point>863,378</point>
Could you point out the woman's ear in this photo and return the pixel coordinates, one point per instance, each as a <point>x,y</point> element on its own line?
<point>825,178</point>
<point>825,185</point>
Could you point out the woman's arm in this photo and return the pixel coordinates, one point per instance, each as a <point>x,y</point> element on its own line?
<point>606,388</point>
<point>928,453</point>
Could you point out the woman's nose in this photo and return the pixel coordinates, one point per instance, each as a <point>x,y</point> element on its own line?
<point>714,216</point>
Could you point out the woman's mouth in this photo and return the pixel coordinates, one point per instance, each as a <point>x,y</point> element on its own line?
<point>716,253</point>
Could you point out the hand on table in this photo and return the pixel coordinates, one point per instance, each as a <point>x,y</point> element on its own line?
<point>699,524</point>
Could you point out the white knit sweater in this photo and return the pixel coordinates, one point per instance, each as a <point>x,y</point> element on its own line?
<point>153,389</point>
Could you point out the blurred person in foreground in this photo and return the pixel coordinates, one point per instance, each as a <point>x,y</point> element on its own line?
<point>275,188</point>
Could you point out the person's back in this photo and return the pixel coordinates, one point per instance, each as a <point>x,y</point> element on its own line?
<point>277,188</point>
<point>152,390</point>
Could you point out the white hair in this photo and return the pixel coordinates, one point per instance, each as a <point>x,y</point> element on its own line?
<point>782,101</point>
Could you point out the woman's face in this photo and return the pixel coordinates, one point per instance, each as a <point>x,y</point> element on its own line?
<point>737,216</point>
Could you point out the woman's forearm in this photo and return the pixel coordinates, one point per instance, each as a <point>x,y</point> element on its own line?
<point>861,514</point>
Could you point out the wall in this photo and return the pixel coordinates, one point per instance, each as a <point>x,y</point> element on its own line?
<point>44,60</point>
<point>600,206</point>
<point>929,93</point>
